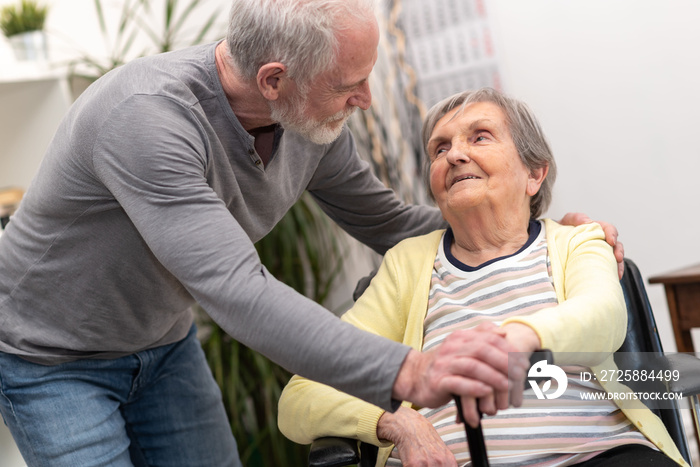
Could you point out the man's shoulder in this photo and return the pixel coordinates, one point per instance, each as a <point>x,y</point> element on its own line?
<point>184,75</point>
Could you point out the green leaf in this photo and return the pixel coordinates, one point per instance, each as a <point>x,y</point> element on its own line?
<point>27,16</point>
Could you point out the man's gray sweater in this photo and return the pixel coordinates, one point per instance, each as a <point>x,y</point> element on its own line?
<point>150,198</point>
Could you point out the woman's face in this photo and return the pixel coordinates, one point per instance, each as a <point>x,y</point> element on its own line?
<point>474,164</point>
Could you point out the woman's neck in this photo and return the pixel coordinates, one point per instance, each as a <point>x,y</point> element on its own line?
<point>481,239</point>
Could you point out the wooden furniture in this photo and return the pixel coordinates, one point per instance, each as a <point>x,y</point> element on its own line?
<point>682,289</point>
<point>683,295</point>
<point>9,200</point>
<point>10,197</point>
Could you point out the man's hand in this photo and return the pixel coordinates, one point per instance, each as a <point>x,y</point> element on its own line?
<point>611,234</point>
<point>415,438</point>
<point>471,363</point>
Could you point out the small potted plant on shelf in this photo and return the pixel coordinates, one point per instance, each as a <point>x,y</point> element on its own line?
<point>23,25</point>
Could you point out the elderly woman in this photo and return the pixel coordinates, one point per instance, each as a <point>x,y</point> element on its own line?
<point>541,284</point>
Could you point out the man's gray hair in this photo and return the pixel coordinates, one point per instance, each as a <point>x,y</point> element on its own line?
<point>301,34</point>
<point>529,139</point>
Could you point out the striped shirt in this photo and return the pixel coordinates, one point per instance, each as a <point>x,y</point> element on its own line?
<point>551,432</point>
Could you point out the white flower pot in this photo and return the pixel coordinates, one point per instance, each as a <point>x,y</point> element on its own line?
<point>30,46</point>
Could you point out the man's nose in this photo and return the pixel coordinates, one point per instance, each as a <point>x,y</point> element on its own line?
<point>362,98</point>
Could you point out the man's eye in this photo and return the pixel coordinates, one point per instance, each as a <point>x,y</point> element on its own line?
<point>480,138</point>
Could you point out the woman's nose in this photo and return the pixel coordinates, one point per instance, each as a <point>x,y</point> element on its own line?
<point>458,154</point>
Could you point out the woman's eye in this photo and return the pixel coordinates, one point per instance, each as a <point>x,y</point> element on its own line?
<point>440,151</point>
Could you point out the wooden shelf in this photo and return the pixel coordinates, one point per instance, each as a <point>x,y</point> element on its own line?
<point>682,289</point>
<point>22,72</point>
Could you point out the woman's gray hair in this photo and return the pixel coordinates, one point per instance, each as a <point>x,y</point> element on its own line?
<point>529,139</point>
<point>302,34</point>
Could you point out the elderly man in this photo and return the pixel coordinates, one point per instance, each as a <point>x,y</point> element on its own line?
<point>150,197</point>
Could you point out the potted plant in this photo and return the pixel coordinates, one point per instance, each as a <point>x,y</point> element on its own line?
<point>23,25</point>
<point>135,27</point>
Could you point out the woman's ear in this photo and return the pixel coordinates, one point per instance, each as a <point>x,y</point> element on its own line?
<point>535,179</point>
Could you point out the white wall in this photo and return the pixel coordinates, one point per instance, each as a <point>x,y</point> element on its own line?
<point>71,26</point>
<point>9,455</point>
<point>34,96</point>
<point>615,84</point>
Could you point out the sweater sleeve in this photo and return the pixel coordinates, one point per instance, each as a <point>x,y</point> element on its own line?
<point>590,321</point>
<point>309,410</point>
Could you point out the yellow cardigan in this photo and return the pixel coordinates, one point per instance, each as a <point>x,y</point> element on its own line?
<point>590,318</point>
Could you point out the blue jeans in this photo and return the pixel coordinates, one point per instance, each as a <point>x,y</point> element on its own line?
<point>158,407</point>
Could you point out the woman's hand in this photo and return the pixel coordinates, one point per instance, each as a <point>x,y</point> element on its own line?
<point>415,438</point>
<point>522,337</point>
<point>526,341</point>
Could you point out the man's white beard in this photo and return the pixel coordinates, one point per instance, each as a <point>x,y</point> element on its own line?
<point>290,115</point>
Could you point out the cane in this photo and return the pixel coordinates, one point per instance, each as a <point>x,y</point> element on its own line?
<point>475,436</point>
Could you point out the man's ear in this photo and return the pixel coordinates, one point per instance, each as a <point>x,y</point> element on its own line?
<point>269,79</point>
<point>535,180</point>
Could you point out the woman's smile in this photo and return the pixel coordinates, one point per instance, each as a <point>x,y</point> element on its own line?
<point>464,178</point>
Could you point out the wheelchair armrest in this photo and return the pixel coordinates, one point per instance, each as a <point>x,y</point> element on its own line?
<point>334,452</point>
<point>685,368</point>
<point>688,367</point>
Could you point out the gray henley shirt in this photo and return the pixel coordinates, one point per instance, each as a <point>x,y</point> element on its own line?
<point>150,198</point>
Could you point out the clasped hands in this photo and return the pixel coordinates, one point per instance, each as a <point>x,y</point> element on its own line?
<point>486,366</point>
